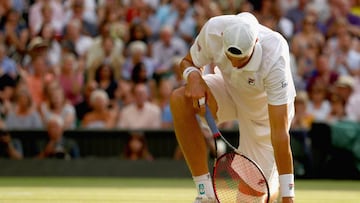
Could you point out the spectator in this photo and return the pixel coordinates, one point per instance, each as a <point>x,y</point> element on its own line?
<point>57,146</point>
<point>112,14</point>
<point>345,86</point>
<point>141,114</point>
<point>23,115</point>
<point>57,104</point>
<point>271,15</point>
<point>16,35</point>
<point>46,11</point>
<point>344,58</point>
<point>105,50</point>
<point>137,50</point>
<point>303,118</point>
<point>101,116</point>
<point>85,105</point>
<point>306,46</point>
<point>342,9</point>
<point>296,14</point>
<point>322,74</point>
<point>182,21</point>
<point>318,105</point>
<point>54,52</point>
<point>165,87</point>
<point>37,76</point>
<point>139,74</point>
<point>7,65</point>
<point>166,48</point>
<point>104,76</point>
<point>7,89</point>
<point>138,32</point>
<point>88,13</point>
<point>77,11</point>
<point>71,79</point>
<point>123,94</point>
<point>337,112</point>
<point>136,147</point>
<point>10,147</point>
<point>80,41</point>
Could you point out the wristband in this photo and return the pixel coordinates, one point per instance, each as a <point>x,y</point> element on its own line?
<point>287,186</point>
<point>188,70</point>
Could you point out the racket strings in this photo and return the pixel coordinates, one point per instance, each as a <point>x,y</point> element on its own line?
<point>237,179</point>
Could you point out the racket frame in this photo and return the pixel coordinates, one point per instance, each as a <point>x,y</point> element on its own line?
<point>217,134</point>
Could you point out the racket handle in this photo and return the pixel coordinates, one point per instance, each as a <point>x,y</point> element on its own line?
<point>211,122</point>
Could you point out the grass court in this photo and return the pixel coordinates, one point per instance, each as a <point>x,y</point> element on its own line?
<point>147,190</point>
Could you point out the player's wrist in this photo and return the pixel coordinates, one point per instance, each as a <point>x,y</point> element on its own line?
<point>190,70</point>
<point>287,185</point>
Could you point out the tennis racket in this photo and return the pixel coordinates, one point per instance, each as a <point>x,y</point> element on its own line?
<point>236,178</point>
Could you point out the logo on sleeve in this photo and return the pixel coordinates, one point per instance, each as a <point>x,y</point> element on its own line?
<point>284,84</point>
<point>251,81</point>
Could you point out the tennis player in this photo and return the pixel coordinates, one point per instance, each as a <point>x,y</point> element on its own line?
<point>252,84</point>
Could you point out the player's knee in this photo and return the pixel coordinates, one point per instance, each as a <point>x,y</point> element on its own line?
<point>177,98</point>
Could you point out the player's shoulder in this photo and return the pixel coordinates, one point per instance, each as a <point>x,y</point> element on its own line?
<point>268,36</point>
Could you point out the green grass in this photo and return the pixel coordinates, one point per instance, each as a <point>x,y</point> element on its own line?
<point>103,190</point>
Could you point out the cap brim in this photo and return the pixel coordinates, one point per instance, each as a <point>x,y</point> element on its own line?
<point>255,60</point>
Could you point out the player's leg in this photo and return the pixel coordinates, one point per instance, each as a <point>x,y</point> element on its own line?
<point>255,142</point>
<point>192,142</point>
<point>188,132</point>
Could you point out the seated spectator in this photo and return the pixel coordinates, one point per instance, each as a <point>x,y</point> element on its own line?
<point>77,11</point>
<point>84,107</point>
<point>306,46</point>
<point>318,105</point>
<point>10,147</point>
<point>58,105</point>
<point>138,54</point>
<point>46,11</point>
<point>164,89</point>
<point>37,78</point>
<point>15,33</point>
<point>7,89</point>
<point>123,95</point>
<point>105,50</point>
<point>74,35</point>
<point>337,112</point>
<point>57,146</point>
<point>322,74</point>
<point>53,55</point>
<point>136,147</point>
<point>71,78</point>
<point>345,86</point>
<point>7,65</point>
<point>166,48</point>
<point>23,115</point>
<point>101,116</point>
<point>344,58</point>
<point>104,76</point>
<point>141,114</point>
<point>302,119</point>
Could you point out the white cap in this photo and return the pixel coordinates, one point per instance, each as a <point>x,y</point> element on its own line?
<point>345,81</point>
<point>239,39</point>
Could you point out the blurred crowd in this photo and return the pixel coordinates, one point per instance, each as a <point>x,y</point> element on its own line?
<point>107,64</point>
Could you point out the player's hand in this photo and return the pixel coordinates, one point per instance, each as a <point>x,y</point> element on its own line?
<point>288,200</point>
<point>196,89</point>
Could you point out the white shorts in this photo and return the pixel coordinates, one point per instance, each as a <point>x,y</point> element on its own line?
<point>254,138</point>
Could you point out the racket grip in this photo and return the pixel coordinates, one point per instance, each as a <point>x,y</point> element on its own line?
<point>211,122</point>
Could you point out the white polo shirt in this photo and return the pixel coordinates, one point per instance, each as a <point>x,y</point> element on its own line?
<point>266,79</point>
